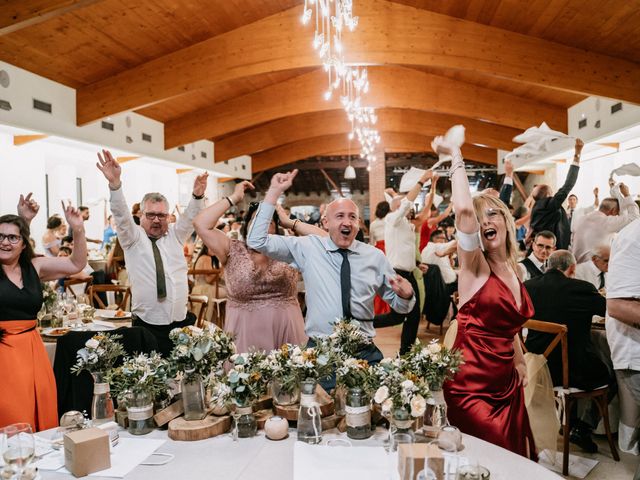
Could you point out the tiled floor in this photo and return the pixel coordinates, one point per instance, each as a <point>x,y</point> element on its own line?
<point>388,340</point>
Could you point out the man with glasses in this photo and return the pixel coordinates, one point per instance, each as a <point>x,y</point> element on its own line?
<point>534,265</point>
<point>153,253</point>
<point>594,270</point>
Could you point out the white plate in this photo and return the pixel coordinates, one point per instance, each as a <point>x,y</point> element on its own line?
<point>111,314</point>
<point>55,332</point>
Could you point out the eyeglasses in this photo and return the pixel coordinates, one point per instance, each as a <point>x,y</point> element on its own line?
<point>544,247</point>
<point>13,239</point>
<point>159,216</point>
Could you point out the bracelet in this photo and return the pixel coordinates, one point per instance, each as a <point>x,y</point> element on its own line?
<point>197,197</point>
<point>293,227</point>
<point>231,204</point>
<point>455,167</point>
<point>420,183</point>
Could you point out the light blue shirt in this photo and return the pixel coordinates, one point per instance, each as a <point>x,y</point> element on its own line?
<point>319,261</point>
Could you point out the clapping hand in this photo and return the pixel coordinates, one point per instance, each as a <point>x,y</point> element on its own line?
<point>200,184</point>
<point>73,216</point>
<point>401,286</point>
<point>282,181</point>
<point>110,168</point>
<point>240,189</point>
<point>27,207</point>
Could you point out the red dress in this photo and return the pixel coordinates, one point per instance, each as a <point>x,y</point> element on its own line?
<point>484,399</point>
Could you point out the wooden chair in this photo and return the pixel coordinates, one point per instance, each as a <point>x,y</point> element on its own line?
<point>77,281</point>
<point>122,294</point>
<point>569,395</point>
<point>203,302</point>
<point>215,301</point>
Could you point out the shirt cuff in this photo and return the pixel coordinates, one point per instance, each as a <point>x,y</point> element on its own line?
<point>575,164</point>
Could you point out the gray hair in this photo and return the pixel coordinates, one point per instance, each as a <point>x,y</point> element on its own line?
<point>560,260</point>
<point>608,205</point>
<point>154,197</point>
<point>600,250</point>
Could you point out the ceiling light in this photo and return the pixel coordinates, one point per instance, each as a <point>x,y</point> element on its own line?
<point>350,172</point>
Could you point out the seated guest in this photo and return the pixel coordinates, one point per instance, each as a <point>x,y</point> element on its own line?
<point>533,266</point>
<point>594,270</point>
<point>153,253</point>
<point>559,298</point>
<point>27,381</point>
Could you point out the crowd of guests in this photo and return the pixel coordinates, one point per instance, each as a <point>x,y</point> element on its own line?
<point>468,261</point>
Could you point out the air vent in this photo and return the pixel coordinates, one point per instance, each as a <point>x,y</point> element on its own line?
<point>129,139</point>
<point>193,156</point>
<point>5,105</point>
<point>203,154</point>
<point>244,167</point>
<point>181,148</point>
<point>582,123</point>
<point>226,162</point>
<point>43,106</point>
<point>597,124</point>
<point>107,125</point>
<point>146,137</point>
<point>616,107</point>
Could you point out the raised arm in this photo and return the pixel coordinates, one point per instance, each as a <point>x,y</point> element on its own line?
<point>184,225</point>
<point>572,176</point>
<point>296,226</point>
<point>423,216</point>
<point>49,268</point>
<point>128,232</point>
<point>507,183</point>
<point>205,222</point>
<point>27,208</point>
<point>436,220</point>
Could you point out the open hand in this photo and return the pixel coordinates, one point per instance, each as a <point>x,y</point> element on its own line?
<point>624,190</point>
<point>401,286</point>
<point>27,207</point>
<point>281,182</point>
<point>579,146</point>
<point>110,168</point>
<point>596,191</point>
<point>521,368</point>
<point>200,184</point>
<point>508,168</point>
<point>73,216</point>
<point>240,189</point>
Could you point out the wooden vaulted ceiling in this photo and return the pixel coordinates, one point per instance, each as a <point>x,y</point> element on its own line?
<point>243,74</point>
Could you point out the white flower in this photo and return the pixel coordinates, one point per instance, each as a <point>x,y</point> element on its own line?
<point>92,343</point>
<point>387,405</point>
<point>407,384</point>
<point>381,394</point>
<point>434,348</point>
<point>233,357</point>
<point>418,406</point>
<point>386,360</point>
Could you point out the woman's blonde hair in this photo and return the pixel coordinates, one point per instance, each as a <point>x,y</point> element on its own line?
<point>484,201</point>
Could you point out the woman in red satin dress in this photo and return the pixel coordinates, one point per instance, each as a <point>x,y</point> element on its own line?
<point>486,398</point>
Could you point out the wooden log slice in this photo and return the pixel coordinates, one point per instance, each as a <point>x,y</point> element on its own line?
<point>290,412</point>
<point>262,416</point>
<point>165,415</point>
<point>192,430</point>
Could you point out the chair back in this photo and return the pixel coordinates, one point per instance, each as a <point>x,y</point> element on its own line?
<point>77,281</point>
<point>560,337</point>
<point>216,273</point>
<point>203,301</point>
<point>123,290</point>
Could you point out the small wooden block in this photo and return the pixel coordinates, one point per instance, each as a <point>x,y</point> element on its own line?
<point>263,403</point>
<point>262,416</point>
<point>342,425</point>
<point>211,426</point>
<point>330,422</point>
<point>290,412</point>
<point>165,415</point>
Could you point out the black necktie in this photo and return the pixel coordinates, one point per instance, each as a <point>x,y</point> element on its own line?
<point>601,280</point>
<point>161,286</point>
<point>345,283</point>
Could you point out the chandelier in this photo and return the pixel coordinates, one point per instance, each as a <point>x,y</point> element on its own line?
<point>332,17</point>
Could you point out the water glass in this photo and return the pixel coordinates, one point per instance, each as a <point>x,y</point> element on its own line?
<point>400,467</point>
<point>18,447</point>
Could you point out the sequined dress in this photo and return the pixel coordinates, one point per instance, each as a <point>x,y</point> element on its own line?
<point>262,302</point>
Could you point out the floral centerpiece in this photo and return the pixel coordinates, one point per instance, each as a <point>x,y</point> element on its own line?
<point>49,295</point>
<point>433,362</point>
<point>355,373</point>
<point>347,339</point>
<point>99,354</point>
<point>142,373</point>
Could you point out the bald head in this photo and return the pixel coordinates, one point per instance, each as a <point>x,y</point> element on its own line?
<point>342,203</point>
<point>341,220</point>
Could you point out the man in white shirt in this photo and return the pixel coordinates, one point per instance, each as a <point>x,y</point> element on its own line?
<point>400,249</point>
<point>594,270</point>
<point>597,228</point>
<point>544,243</point>
<point>574,213</point>
<point>154,255</point>
<point>623,327</point>
<point>437,252</point>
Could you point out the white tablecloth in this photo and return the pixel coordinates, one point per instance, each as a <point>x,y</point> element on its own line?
<point>259,458</point>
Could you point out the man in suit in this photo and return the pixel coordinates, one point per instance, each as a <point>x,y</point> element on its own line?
<point>559,298</point>
<point>534,265</point>
<point>547,212</point>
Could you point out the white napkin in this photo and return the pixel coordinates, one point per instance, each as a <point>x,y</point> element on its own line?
<point>409,179</point>
<point>632,169</point>
<point>316,462</point>
<point>455,137</point>
<point>103,323</point>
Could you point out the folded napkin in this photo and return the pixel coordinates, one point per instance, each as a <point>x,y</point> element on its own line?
<point>103,323</point>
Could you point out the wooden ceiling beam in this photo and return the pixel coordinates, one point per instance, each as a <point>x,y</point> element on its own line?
<point>298,127</point>
<point>391,87</point>
<point>387,34</point>
<point>18,14</point>
<point>330,144</point>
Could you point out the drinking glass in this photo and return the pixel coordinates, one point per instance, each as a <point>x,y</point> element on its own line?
<point>451,460</point>
<point>18,447</point>
<point>400,467</point>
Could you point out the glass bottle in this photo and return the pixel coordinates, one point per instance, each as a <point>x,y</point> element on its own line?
<point>245,422</point>
<point>401,422</point>
<point>139,413</point>
<point>435,415</point>
<point>309,418</point>
<point>358,414</point>
<point>102,410</point>
<point>193,397</point>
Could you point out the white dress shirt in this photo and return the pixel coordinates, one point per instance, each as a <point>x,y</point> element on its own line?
<point>400,238</point>
<point>623,281</point>
<point>596,228</point>
<point>588,272</point>
<point>141,266</point>
<point>524,273</point>
<point>376,231</point>
<point>429,255</point>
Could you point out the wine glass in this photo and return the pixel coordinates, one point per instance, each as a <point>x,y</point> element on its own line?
<point>18,447</point>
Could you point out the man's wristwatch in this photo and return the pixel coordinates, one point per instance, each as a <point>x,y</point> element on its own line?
<point>197,197</point>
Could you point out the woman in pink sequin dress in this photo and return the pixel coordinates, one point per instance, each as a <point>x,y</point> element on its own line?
<point>262,298</point>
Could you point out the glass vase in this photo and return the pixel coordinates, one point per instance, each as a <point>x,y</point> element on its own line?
<point>309,418</point>
<point>246,425</point>
<point>435,415</point>
<point>139,413</point>
<point>401,422</point>
<point>358,414</point>
<point>282,396</point>
<point>193,397</point>
<point>102,410</point>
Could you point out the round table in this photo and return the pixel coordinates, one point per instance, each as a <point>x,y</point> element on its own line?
<point>260,458</point>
